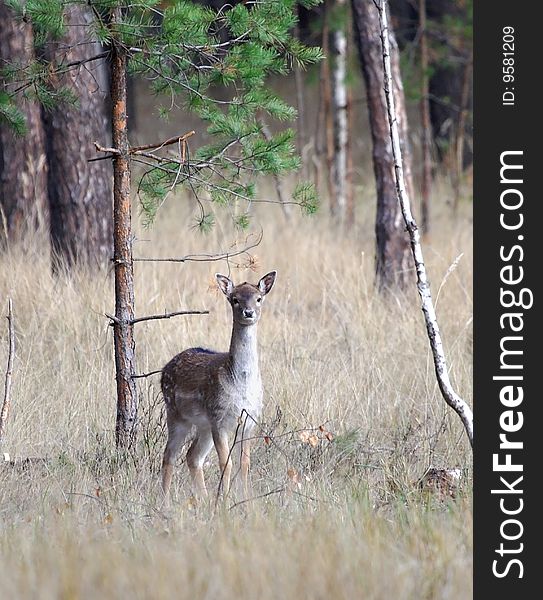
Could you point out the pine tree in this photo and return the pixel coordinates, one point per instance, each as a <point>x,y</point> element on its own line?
<point>393,258</point>
<point>23,168</point>
<point>80,192</point>
<point>185,50</point>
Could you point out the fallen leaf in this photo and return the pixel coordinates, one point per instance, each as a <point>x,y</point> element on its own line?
<point>293,475</point>
<point>253,262</point>
<point>328,436</point>
<point>313,440</point>
<point>304,436</point>
<point>267,440</point>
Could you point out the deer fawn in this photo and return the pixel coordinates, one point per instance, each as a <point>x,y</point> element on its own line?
<point>212,390</point>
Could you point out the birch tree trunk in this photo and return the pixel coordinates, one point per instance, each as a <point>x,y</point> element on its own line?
<point>326,80</point>
<point>23,168</point>
<point>432,327</point>
<point>123,327</point>
<point>80,192</point>
<point>393,259</point>
<point>339,104</point>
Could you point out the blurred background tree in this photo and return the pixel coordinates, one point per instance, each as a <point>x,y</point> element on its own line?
<point>203,85</point>
<point>23,167</point>
<point>332,154</point>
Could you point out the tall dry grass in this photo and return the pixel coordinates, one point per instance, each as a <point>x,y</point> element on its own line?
<point>340,519</point>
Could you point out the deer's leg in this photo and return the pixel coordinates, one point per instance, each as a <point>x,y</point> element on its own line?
<point>245,463</point>
<point>196,456</point>
<point>177,432</point>
<point>220,438</point>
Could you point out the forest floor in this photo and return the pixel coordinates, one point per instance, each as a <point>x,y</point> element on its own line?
<point>334,516</point>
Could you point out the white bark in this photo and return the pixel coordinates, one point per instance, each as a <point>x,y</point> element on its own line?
<point>9,371</point>
<point>434,336</point>
<point>339,100</point>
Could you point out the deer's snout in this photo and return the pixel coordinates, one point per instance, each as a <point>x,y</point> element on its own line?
<point>248,313</point>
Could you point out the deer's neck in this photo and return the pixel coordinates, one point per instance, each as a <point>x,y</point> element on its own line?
<point>244,352</point>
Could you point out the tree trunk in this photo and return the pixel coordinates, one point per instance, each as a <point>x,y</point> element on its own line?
<point>447,18</point>
<point>425,121</point>
<point>446,80</point>
<point>281,195</point>
<point>434,336</point>
<point>393,260</point>
<point>350,211</point>
<point>320,141</point>
<point>23,168</point>
<point>327,106</point>
<point>80,192</point>
<point>123,328</point>
<point>460,134</point>
<point>300,105</point>
<point>339,104</point>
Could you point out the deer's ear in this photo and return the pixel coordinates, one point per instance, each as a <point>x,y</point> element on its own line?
<point>225,284</point>
<point>266,283</point>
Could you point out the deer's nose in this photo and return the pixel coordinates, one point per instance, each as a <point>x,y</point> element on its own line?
<point>248,313</point>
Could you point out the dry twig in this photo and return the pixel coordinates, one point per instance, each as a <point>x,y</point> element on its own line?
<point>9,371</point>
<point>141,149</point>
<point>162,316</point>
<point>206,257</point>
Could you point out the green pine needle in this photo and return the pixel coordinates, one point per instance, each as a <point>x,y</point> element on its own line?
<point>306,196</point>
<point>11,115</point>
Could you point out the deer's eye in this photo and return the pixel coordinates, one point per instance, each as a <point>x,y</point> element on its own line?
<point>235,301</point>
<point>259,299</point>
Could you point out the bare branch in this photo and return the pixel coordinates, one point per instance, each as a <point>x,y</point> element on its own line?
<point>105,149</point>
<point>140,149</point>
<point>168,142</point>
<point>169,315</point>
<point>205,257</point>
<point>146,374</point>
<point>155,317</point>
<point>64,67</point>
<point>9,371</point>
<point>265,495</point>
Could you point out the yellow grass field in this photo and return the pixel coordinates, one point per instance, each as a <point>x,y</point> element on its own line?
<point>330,519</point>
